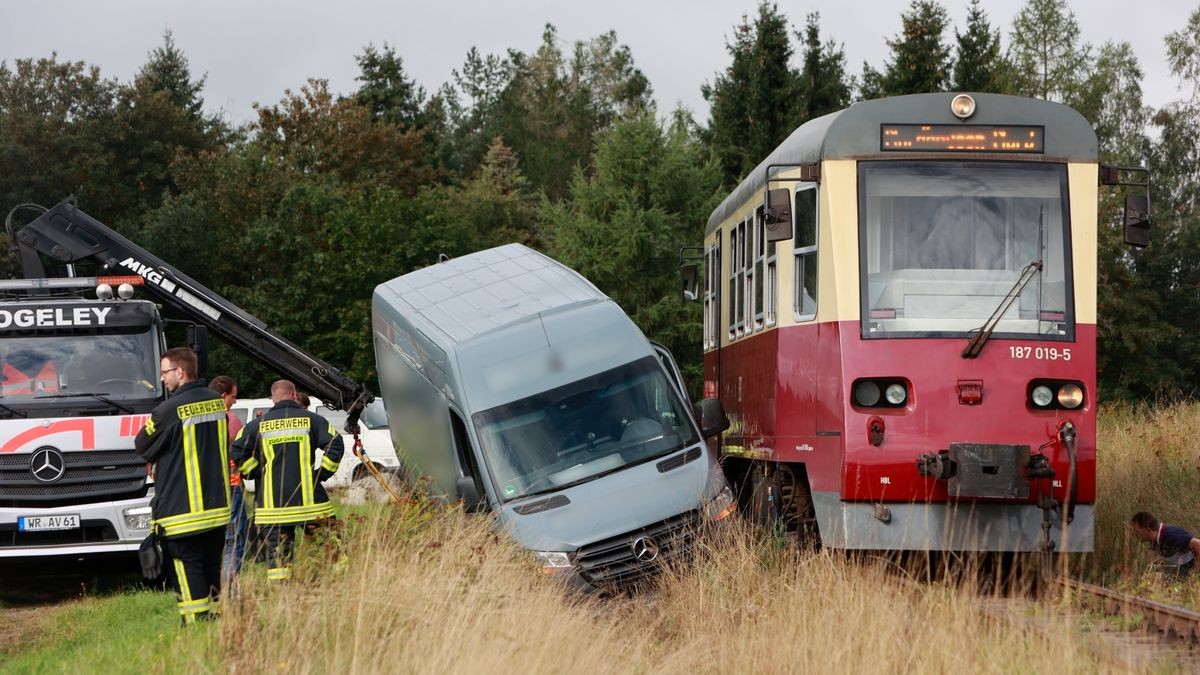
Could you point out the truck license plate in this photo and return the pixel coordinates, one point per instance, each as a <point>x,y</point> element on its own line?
<point>43,523</point>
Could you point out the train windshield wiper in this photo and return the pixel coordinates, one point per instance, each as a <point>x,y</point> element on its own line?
<point>99,397</point>
<point>984,332</point>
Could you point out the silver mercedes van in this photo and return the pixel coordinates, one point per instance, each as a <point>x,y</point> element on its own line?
<point>515,385</point>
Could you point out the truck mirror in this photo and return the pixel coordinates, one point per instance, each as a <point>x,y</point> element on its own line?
<point>197,339</point>
<point>777,218</point>
<point>1137,219</point>
<point>689,281</point>
<point>712,417</point>
<point>469,494</point>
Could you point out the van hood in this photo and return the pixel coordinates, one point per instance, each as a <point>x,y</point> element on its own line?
<point>612,505</point>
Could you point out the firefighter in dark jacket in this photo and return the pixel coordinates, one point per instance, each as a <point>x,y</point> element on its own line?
<point>187,439</point>
<point>278,451</point>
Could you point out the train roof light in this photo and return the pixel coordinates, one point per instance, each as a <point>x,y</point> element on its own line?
<point>963,106</point>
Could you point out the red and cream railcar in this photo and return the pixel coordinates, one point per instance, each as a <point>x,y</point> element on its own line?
<point>905,344</point>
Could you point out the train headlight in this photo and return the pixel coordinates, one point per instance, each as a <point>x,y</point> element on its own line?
<point>1070,396</point>
<point>963,106</point>
<point>1042,396</point>
<point>866,393</point>
<point>895,393</point>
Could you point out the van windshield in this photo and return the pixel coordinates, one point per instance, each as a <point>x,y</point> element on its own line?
<point>584,430</point>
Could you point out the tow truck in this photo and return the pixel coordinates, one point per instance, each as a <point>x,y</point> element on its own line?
<point>80,376</point>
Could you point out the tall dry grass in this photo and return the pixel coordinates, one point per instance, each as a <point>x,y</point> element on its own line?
<point>433,590</point>
<point>436,591</point>
<point>1146,460</point>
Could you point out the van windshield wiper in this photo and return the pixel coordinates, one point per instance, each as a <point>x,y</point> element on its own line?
<point>601,474</point>
<point>14,411</point>
<point>984,332</point>
<point>99,397</point>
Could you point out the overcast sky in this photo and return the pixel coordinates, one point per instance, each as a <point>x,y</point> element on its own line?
<point>253,51</point>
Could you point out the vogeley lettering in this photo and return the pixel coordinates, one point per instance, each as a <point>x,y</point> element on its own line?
<point>53,317</point>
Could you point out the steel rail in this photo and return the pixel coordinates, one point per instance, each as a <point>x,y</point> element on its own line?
<point>1174,621</point>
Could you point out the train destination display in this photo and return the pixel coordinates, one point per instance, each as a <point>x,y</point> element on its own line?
<point>962,138</point>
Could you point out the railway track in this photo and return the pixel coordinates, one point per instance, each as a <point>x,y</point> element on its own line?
<point>1171,622</point>
<point>1124,632</point>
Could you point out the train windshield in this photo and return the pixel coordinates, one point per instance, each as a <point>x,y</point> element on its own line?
<point>943,243</point>
<point>581,431</point>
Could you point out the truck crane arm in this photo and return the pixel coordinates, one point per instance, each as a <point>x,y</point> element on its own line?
<point>67,235</point>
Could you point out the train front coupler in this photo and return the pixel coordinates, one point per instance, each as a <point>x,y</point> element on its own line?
<point>979,470</point>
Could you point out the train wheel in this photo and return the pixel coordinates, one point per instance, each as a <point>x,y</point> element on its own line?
<point>781,504</point>
<point>765,510</point>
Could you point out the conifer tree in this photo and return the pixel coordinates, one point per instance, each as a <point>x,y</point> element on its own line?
<point>978,63</point>
<point>753,103</point>
<point>920,57</point>
<point>823,75</point>
<point>1047,59</point>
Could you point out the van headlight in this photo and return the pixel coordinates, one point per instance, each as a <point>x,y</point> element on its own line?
<point>721,506</point>
<point>552,561</point>
<point>137,517</point>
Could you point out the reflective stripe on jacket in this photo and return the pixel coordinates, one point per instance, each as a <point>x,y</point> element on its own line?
<point>187,438</point>
<point>279,451</point>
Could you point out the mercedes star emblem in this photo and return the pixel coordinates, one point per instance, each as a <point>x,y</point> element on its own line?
<point>47,465</point>
<point>645,549</point>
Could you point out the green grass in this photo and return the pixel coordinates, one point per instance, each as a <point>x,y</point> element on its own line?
<point>130,632</point>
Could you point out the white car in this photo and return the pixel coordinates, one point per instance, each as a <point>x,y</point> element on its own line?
<point>373,424</point>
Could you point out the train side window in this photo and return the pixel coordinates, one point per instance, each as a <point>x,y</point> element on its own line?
<point>740,251</point>
<point>732,309</point>
<point>805,246</point>
<point>770,282</point>
<point>712,288</point>
<point>760,253</point>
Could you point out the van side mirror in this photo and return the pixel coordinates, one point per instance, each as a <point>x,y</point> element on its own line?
<point>777,218</point>
<point>472,503</point>
<point>689,282</point>
<point>1137,219</point>
<point>712,417</point>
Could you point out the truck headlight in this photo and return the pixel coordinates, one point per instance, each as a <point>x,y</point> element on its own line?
<point>552,561</point>
<point>721,506</point>
<point>137,518</point>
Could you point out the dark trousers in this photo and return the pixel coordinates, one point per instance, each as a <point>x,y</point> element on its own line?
<point>280,539</point>
<point>194,567</point>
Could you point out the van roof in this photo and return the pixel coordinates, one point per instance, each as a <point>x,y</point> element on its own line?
<point>465,297</point>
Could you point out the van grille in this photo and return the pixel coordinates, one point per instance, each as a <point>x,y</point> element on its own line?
<point>612,564</point>
<point>89,476</point>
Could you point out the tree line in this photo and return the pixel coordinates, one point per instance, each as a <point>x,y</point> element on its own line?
<point>298,214</point>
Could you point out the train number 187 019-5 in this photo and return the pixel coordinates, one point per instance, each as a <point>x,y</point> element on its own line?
<point>1041,353</point>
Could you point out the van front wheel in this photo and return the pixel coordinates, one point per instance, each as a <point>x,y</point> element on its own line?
<point>362,471</point>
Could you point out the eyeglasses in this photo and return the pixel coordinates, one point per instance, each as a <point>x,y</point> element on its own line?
<point>164,372</point>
